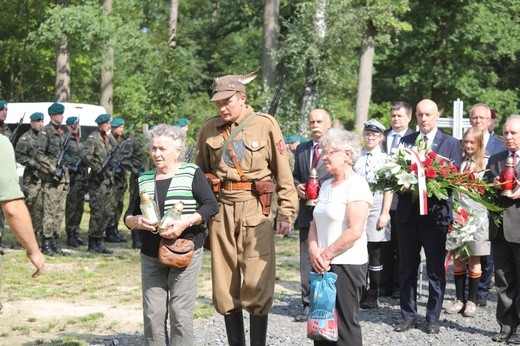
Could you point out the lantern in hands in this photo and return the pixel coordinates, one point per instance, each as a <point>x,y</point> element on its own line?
<point>312,188</point>
<point>508,178</point>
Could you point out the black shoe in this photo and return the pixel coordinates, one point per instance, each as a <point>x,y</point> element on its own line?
<point>396,294</point>
<point>503,335</point>
<point>432,328</point>
<point>481,301</point>
<point>303,316</point>
<point>385,293</point>
<point>94,245</point>
<point>371,300</point>
<point>111,237</point>
<point>120,236</point>
<point>514,338</point>
<point>57,249</point>
<point>406,325</point>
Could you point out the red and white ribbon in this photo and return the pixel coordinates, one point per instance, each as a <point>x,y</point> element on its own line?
<point>421,177</point>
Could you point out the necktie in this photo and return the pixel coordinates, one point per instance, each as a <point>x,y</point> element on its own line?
<point>315,155</point>
<point>367,163</point>
<point>468,165</point>
<point>425,139</point>
<point>395,141</point>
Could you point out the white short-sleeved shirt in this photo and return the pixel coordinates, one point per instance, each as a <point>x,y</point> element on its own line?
<point>331,217</point>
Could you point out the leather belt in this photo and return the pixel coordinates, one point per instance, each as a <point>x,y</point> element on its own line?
<point>237,185</point>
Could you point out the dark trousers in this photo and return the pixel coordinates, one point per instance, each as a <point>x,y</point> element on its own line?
<point>487,265</point>
<point>507,280</point>
<point>305,265</point>
<point>349,288</point>
<point>390,259</point>
<point>413,236</point>
<point>375,262</point>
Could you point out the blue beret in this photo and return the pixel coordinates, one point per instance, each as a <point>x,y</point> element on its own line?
<point>103,118</point>
<point>71,120</point>
<point>117,122</point>
<point>292,139</point>
<point>374,126</point>
<point>182,122</point>
<point>56,108</point>
<point>36,116</point>
<point>3,104</point>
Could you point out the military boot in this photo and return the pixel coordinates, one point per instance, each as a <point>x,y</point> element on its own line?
<point>94,245</point>
<point>56,247</point>
<point>79,240</point>
<point>136,239</point>
<point>111,236</point>
<point>47,247</point>
<point>71,239</point>
<point>371,300</point>
<point>120,236</point>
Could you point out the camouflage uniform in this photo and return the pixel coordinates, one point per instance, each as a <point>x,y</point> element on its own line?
<point>32,187</point>
<point>100,186</point>
<point>4,130</point>
<point>120,186</point>
<point>77,189</point>
<point>54,190</point>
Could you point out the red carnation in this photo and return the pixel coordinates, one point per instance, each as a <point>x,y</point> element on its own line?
<point>428,161</point>
<point>464,214</point>
<point>432,154</point>
<point>413,167</point>
<point>430,173</point>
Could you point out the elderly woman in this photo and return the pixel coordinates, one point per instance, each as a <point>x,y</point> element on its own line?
<point>166,289</point>
<point>337,238</point>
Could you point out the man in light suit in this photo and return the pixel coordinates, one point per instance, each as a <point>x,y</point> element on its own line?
<point>480,118</point>
<point>426,231</point>
<point>319,123</point>
<point>401,115</point>
<point>505,241</point>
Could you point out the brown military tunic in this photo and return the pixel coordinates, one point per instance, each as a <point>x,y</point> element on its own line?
<point>242,242</point>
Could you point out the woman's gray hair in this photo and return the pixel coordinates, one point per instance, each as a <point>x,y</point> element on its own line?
<point>343,140</point>
<point>177,134</point>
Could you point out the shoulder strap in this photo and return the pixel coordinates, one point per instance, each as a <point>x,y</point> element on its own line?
<point>233,134</point>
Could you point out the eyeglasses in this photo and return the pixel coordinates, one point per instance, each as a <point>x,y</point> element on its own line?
<point>330,153</point>
<point>371,135</point>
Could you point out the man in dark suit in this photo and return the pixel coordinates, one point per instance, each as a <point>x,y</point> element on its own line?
<point>426,231</point>
<point>505,241</point>
<point>306,154</point>
<point>401,115</point>
<point>480,118</point>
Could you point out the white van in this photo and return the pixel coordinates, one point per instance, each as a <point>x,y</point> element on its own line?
<point>87,115</point>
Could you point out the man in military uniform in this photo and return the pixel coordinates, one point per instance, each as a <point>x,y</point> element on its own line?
<point>4,130</point>
<point>100,183</point>
<point>54,179</point>
<point>116,137</point>
<point>242,243</point>
<point>78,186</point>
<point>26,155</point>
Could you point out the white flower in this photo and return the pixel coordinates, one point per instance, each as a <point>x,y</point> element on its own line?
<point>406,179</point>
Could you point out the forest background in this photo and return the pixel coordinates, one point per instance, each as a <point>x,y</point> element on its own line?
<point>153,61</point>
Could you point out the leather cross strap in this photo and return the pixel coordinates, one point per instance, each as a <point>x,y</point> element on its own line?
<point>234,158</point>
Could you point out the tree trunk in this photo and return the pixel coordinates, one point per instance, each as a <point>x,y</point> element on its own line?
<point>107,67</point>
<point>310,96</point>
<point>62,73</point>
<point>173,23</point>
<point>366,64</point>
<point>271,13</point>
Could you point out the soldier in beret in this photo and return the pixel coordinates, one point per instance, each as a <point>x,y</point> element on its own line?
<point>244,149</point>
<point>26,155</point>
<point>78,186</point>
<point>100,182</point>
<point>49,145</point>
<point>4,129</point>
<point>116,137</point>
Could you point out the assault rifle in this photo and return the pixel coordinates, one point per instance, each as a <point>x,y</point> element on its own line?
<point>12,138</point>
<point>277,96</point>
<point>58,173</point>
<point>110,157</point>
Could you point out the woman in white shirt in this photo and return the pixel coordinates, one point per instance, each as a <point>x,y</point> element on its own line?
<point>337,238</point>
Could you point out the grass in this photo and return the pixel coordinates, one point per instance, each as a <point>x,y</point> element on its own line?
<point>84,278</point>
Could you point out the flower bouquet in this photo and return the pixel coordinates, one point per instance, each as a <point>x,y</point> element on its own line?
<point>468,218</point>
<point>419,170</point>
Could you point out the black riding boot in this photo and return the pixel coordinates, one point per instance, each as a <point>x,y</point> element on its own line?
<point>235,328</point>
<point>258,326</point>
<point>136,239</point>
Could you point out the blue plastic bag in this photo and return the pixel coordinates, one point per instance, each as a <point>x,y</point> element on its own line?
<point>323,322</point>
